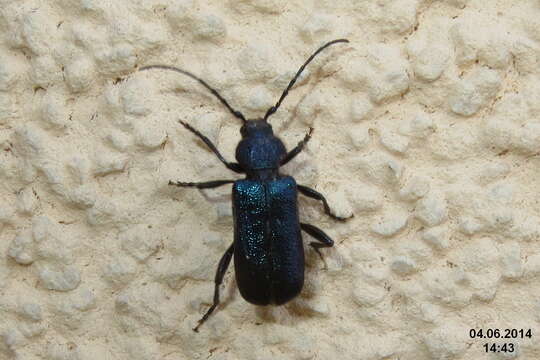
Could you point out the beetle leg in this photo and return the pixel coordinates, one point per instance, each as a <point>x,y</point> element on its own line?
<point>230,165</point>
<point>309,192</point>
<point>323,239</point>
<point>291,154</point>
<point>220,273</point>
<point>202,185</point>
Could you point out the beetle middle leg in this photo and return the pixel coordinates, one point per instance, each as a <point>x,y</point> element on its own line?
<point>230,165</point>
<point>202,185</point>
<point>309,192</point>
<point>323,239</point>
<point>220,273</point>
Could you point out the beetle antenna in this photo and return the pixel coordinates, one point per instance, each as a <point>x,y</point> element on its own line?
<point>274,108</point>
<point>236,113</point>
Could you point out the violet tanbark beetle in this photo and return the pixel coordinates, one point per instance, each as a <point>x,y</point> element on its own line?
<point>267,248</point>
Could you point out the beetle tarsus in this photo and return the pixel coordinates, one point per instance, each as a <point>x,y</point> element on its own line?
<point>341,218</point>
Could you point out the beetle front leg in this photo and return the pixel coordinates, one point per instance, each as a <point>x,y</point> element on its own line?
<point>309,192</point>
<point>319,235</point>
<point>291,154</point>
<point>220,273</point>
<point>202,185</point>
<point>230,165</point>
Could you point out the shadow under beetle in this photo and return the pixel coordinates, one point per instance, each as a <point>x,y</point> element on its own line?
<point>268,249</point>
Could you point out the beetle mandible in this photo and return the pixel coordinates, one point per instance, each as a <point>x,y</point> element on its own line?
<point>268,249</point>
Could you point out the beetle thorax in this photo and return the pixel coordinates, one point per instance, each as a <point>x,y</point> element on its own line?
<point>259,148</point>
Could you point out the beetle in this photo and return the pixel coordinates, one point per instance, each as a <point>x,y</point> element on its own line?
<point>267,247</point>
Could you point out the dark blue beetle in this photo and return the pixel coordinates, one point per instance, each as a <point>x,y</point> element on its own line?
<point>268,250</point>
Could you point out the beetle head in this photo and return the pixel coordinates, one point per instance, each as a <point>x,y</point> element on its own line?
<point>259,148</point>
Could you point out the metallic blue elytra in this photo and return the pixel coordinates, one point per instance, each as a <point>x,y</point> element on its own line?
<point>268,250</point>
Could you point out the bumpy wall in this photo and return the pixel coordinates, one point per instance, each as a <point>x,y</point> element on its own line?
<point>427,128</point>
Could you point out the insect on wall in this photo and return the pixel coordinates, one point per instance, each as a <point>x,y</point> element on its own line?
<point>267,248</point>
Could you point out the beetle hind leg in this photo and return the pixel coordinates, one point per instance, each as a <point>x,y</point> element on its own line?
<point>220,273</point>
<point>323,239</point>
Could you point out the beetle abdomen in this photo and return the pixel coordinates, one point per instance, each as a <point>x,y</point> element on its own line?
<point>268,255</point>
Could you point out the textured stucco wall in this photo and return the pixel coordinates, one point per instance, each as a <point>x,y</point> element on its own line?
<point>427,128</point>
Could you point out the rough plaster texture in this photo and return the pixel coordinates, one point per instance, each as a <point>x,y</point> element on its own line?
<point>427,128</point>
